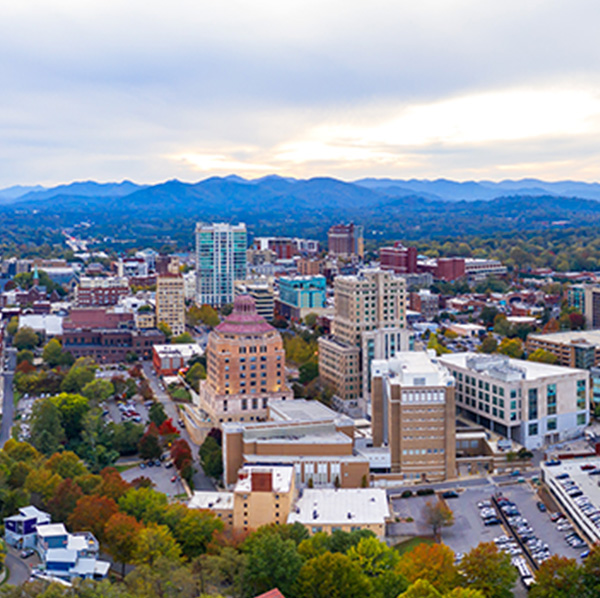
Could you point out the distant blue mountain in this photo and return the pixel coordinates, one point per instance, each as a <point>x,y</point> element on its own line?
<point>83,189</point>
<point>12,193</point>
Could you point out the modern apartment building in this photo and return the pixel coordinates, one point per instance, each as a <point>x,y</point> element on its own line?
<point>345,240</point>
<point>245,366</point>
<point>100,291</point>
<point>301,295</point>
<point>573,348</point>
<point>533,403</point>
<point>170,302</point>
<point>413,414</point>
<point>369,323</point>
<point>220,261</point>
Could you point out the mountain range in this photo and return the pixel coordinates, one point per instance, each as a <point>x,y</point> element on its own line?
<point>388,208</point>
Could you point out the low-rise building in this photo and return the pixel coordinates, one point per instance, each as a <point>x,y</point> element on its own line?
<point>301,295</point>
<point>20,529</point>
<point>100,291</point>
<point>574,348</point>
<point>328,510</point>
<point>531,403</point>
<point>169,359</point>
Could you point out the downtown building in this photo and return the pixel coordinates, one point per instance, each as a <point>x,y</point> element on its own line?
<point>170,302</point>
<point>534,404</point>
<point>220,261</point>
<point>245,367</point>
<point>413,415</point>
<point>369,323</point>
<point>345,240</point>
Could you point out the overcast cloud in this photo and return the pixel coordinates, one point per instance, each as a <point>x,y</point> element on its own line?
<point>148,90</point>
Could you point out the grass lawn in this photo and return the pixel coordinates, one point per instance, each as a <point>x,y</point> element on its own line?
<point>408,545</point>
<point>122,468</point>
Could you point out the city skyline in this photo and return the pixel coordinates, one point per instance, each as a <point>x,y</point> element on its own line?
<point>458,90</point>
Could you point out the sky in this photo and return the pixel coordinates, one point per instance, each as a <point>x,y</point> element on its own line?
<point>154,90</point>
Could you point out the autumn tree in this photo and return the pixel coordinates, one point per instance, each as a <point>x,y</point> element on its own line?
<point>430,562</point>
<point>144,504</point>
<point>542,356</point>
<point>195,530</point>
<point>421,589</point>
<point>180,452</point>
<point>489,570</point>
<point>156,413</point>
<point>91,514</point>
<point>121,537</point>
<point>113,485</point>
<point>98,390</point>
<point>488,345</point>
<point>64,500</point>
<point>437,515</point>
<point>149,445</point>
<point>81,373</point>
<point>154,542</point>
<point>26,338</point>
<point>52,354</point>
<point>513,347</point>
<point>196,373</point>
<point>591,572</point>
<point>558,577</point>
<point>47,432</point>
<point>66,464</point>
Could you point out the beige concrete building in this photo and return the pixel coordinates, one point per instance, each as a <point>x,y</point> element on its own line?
<point>170,302</point>
<point>414,415</point>
<point>245,367</point>
<point>316,441</point>
<point>369,323</point>
<point>575,348</point>
<point>534,404</point>
<point>327,510</point>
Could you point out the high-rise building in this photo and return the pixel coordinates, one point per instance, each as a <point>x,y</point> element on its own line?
<point>414,415</point>
<point>369,323</point>
<point>345,240</point>
<point>170,302</point>
<point>220,261</point>
<point>245,366</point>
<point>399,259</point>
<point>591,308</point>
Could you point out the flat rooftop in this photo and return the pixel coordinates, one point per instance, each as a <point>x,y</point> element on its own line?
<point>494,365</point>
<point>211,500</point>
<point>303,410</point>
<point>351,506</point>
<point>591,337</point>
<point>281,478</point>
<point>414,368</point>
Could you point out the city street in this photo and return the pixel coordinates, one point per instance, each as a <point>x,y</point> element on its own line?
<point>8,404</point>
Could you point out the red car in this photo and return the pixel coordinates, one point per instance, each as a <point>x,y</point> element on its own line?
<point>174,478</point>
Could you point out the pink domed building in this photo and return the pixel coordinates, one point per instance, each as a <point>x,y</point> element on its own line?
<point>245,367</point>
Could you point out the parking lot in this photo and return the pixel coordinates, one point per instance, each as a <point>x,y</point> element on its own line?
<point>160,476</point>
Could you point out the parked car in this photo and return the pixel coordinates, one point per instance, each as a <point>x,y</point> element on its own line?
<point>541,506</point>
<point>25,554</point>
<point>450,494</point>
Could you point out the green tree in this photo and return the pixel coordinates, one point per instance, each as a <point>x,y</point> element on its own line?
<point>195,530</point>
<point>72,409</point>
<point>488,345</point>
<point>13,326</point>
<point>52,354</point>
<point>26,338</point>
<point>144,504</point>
<point>149,446</point>
<point>421,589</point>
<point>542,356</point>
<point>25,355</point>
<point>196,373</point>
<point>155,542</point>
<point>558,577</point>
<point>591,573</point>
<point>81,373</point>
<point>272,562</point>
<point>208,316</point>
<point>47,432</point>
<point>332,575</point>
<point>513,347</point>
<point>489,570</point>
<point>183,339</point>
<point>156,414</point>
<point>211,457</point>
<point>98,390</point>
<point>166,330</point>
<point>66,464</point>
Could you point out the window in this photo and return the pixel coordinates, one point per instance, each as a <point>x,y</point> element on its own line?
<point>552,424</point>
<point>581,394</point>
<point>532,395</point>
<point>551,399</point>
<point>533,429</point>
<point>581,419</point>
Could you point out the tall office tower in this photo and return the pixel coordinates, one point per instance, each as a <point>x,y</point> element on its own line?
<point>170,302</point>
<point>345,240</point>
<point>413,415</point>
<point>591,306</point>
<point>220,261</point>
<point>369,323</point>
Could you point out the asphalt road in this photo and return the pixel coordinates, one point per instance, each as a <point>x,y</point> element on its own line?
<point>18,570</point>
<point>201,480</point>
<point>8,405</point>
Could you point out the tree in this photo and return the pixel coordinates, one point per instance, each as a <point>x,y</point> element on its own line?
<point>26,338</point>
<point>195,530</point>
<point>308,372</point>
<point>487,316</point>
<point>121,536</point>
<point>591,573</point>
<point>126,436</point>
<point>80,373</point>
<point>208,316</point>
<point>542,356</point>
<point>183,339</point>
<point>72,409</point>
<point>421,589</point>
<point>64,500</point>
<point>437,516</point>
<point>166,330</point>
<point>489,570</point>
<point>180,453</point>
<point>47,432</point>
<point>513,347</point>
<point>311,319</point>
<point>196,373</point>
<point>558,577</point>
<point>66,464</point>
<point>144,504</point>
<point>98,390</point>
<point>149,445</point>
<point>332,576</point>
<point>113,485</point>
<point>156,413</point>
<point>431,562</point>
<point>211,458</point>
<point>25,355</point>
<point>52,354</point>
<point>272,562</point>
<point>42,482</point>
<point>92,514</point>
<point>488,345</point>
<point>13,326</point>
<point>154,542</point>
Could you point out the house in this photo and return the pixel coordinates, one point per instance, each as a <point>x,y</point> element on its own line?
<point>20,529</point>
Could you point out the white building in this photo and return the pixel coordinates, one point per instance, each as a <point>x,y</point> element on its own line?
<point>532,403</point>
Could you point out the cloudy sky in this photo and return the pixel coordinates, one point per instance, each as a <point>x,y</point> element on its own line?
<point>151,90</point>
